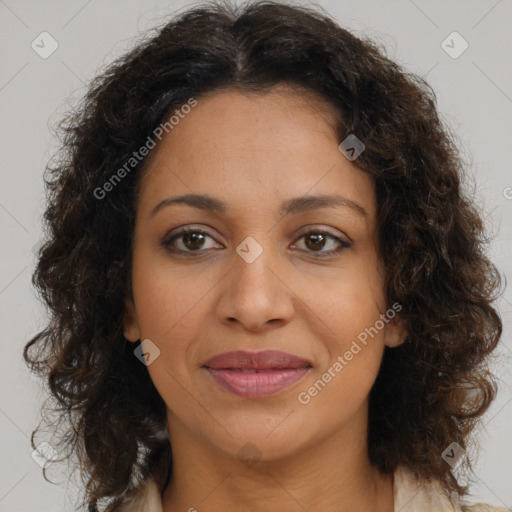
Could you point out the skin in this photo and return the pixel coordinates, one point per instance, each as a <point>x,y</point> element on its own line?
<point>253,152</point>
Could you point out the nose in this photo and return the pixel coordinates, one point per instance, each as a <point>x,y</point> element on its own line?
<point>256,295</point>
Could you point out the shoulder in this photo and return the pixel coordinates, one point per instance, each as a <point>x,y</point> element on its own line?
<point>414,495</point>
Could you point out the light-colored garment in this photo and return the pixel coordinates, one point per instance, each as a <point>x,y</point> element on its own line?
<point>410,495</point>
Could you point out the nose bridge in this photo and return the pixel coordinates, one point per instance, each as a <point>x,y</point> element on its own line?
<point>253,258</point>
<point>254,294</point>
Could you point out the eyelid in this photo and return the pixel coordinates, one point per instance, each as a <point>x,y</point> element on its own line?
<point>189,227</point>
<point>320,228</point>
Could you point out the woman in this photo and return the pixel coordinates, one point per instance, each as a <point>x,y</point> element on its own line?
<point>268,289</point>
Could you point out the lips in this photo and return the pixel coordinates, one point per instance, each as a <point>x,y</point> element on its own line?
<point>265,360</point>
<point>256,374</point>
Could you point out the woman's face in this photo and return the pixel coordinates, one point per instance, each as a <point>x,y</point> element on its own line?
<point>255,280</point>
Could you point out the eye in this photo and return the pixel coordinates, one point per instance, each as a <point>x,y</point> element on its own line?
<point>316,239</point>
<point>191,240</point>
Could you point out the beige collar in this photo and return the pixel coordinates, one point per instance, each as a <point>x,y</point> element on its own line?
<point>412,495</point>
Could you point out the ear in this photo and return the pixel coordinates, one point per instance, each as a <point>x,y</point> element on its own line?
<point>130,322</point>
<point>395,332</point>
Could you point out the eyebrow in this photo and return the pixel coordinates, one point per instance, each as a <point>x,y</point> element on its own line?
<point>288,207</point>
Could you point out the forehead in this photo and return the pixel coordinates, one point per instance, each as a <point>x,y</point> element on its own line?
<point>255,147</point>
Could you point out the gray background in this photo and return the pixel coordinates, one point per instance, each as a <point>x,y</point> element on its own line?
<point>475,98</point>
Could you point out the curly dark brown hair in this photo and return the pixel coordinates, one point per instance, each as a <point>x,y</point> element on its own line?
<point>431,241</point>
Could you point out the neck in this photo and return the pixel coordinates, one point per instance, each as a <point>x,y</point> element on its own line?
<point>334,475</point>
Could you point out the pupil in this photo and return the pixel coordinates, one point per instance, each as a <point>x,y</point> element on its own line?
<point>319,241</point>
<point>196,239</point>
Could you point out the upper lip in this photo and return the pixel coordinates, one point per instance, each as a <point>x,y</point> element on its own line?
<point>264,360</point>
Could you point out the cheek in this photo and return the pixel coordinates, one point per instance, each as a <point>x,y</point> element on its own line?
<point>350,307</point>
<point>354,348</point>
<point>334,397</point>
<point>169,312</point>
<point>348,302</point>
<point>167,298</point>
<point>171,308</point>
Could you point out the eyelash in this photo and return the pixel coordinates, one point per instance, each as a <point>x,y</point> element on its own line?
<point>167,242</point>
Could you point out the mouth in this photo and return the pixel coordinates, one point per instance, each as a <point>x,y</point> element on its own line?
<point>257,374</point>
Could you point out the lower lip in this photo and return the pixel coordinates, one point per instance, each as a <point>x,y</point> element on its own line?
<point>252,384</point>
